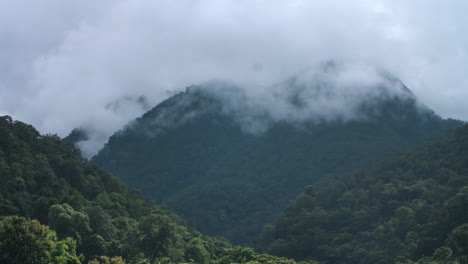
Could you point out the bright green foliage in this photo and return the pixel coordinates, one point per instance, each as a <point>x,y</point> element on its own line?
<point>91,210</point>
<point>26,241</point>
<point>413,207</point>
<point>192,154</point>
<point>247,255</point>
<point>107,260</point>
<point>196,251</point>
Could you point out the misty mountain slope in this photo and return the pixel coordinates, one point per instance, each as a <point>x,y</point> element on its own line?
<point>76,136</point>
<point>229,162</point>
<point>409,207</point>
<point>92,212</point>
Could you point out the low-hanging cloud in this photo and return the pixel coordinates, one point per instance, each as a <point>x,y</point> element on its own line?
<point>63,63</point>
<point>328,92</point>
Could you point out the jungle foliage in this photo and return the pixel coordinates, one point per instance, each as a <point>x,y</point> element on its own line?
<point>192,154</point>
<point>93,217</point>
<point>412,208</point>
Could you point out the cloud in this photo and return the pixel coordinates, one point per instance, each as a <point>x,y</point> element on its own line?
<point>62,62</point>
<point>330,91</point>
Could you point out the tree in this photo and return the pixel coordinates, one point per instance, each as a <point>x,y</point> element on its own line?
<point>107,260</point>
<point>161,237</point>
<point>458,240</point>
<point>68,222</point>
<point>27,241</point>
<point>197,252</point>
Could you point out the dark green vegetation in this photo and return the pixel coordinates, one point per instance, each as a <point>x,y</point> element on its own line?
<point>25,241</point>
<point>92,213</point>
<point>192,154</point>
<point>77,135</point>
<point>414,206</point>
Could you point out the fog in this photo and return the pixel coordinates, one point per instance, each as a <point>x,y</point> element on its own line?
<point>68,64</point>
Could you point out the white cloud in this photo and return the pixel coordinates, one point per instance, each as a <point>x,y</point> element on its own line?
<point>63,61</point>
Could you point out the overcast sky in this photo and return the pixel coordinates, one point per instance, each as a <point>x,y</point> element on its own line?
<point>64,62</point>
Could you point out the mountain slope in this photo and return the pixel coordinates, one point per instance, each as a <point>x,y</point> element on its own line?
<point>409,207</point>
<point>229,166</point>
<point>47,180</point>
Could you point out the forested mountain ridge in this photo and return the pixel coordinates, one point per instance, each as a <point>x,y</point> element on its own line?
<point>92,215</point>
<point>414,206</point>
<point>230,170</point>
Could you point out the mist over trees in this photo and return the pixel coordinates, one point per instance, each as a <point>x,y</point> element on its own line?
<point>233,132</point>
<point>229,167</point>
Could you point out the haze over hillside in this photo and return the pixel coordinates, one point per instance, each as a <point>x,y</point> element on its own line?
<point>228,161</point>
<point>63,63</point>
<point>194,119</point>
<point>328,91</point>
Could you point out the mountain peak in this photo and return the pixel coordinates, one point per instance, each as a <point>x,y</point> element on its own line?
<point>228,158</point>
<point>330,92</point>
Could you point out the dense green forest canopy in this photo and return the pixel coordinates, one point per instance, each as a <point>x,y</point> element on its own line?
<point>193,155</point>
<point>92,215</point>
<point>414,206</point>
<point>26,241</point>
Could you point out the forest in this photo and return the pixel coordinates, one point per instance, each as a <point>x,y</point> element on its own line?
<point>409,209</point>
<point>233,132</point>
<point>57,208</point>
<point>192,154</point>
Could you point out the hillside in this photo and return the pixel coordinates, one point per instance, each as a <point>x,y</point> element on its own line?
<point>226,165</point>
<point>92,215</point>
<point>414,206</point>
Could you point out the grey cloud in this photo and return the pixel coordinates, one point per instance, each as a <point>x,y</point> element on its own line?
<point>63,62</point>
<point>332,91</point>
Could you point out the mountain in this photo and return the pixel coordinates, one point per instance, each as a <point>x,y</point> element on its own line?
<point>76,136</point>
<point>414,206</point>
<point>91,215</point>
<point>229,161</point>
<point>91,133</point>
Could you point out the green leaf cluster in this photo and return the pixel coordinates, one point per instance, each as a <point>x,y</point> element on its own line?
<point>26,241</point>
